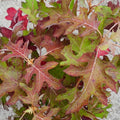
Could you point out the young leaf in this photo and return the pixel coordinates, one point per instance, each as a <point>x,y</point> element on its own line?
<point>30,8</point>
<point>92,81</point>
<point>42,74</point>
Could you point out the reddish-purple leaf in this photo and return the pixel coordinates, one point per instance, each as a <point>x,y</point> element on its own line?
<point>103,52</point>
<point>112,5</point>
<point>6,32</point>
<point>42,74</point>
<point>18,50</point>
<point>16,18</point>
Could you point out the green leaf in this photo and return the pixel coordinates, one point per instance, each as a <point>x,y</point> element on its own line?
<point>75,116</point>
<point>57,72</point>
<point>72,4</point>
<point>88,44</point>
<point>80,46</point>
<point>75,42</point>
<point>3,41</point>
<point>103,13</point>
<point>30,8</point>
<point>70,57</point>
<point>68,95</point>
<point>32,4</point>
<point>103,113</point>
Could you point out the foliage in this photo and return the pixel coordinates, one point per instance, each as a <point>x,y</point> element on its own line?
<point>69,81</point>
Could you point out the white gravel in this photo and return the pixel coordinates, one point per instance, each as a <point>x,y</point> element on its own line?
<point>4,114</point>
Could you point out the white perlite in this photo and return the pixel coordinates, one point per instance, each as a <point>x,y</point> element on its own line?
<point>4,114</point>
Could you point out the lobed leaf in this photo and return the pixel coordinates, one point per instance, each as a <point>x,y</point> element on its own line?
<point>42,74</point>
<point>93,81</point>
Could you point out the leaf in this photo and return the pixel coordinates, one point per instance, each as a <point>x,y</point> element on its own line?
<point>32,97</point>
<point>112,5</point>
<point>5,32</point>
<point>93,81</point>
<point>17,50</point>
<point>68,95</point>
<point>77,48</point>
<point>16,18</point>
<point>114,72</point>
<point>103,52</point>
<point>115,36</point>
<point>10,82</point>
<point>70,57</point>
<point>30,8</point>
<point>42,74</point>
<point>81,46</point>
<point>103,113</point>
<point>51,45</point>
<point>97,108</point>
<point>103,13</point>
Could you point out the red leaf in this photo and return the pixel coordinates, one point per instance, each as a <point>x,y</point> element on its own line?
<point>103,52</point>
<point>16,17</point>
<point>5,32</point>
<point>17,50</point>
<point>112,5</point>
<point>42,74</point>
<point>11,13</point>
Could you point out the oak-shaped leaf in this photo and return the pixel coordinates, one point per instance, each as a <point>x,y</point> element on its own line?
<point>10,78</point>
<point>18,50</point>
<point>78,46</point>
<point>42,74</point>
<point>93,82</point>
<point>32,97</point>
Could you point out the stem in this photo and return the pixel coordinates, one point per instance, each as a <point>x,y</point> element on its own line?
<point>22,116</point>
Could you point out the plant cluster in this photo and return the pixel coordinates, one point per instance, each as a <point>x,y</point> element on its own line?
<point>69,81</point>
